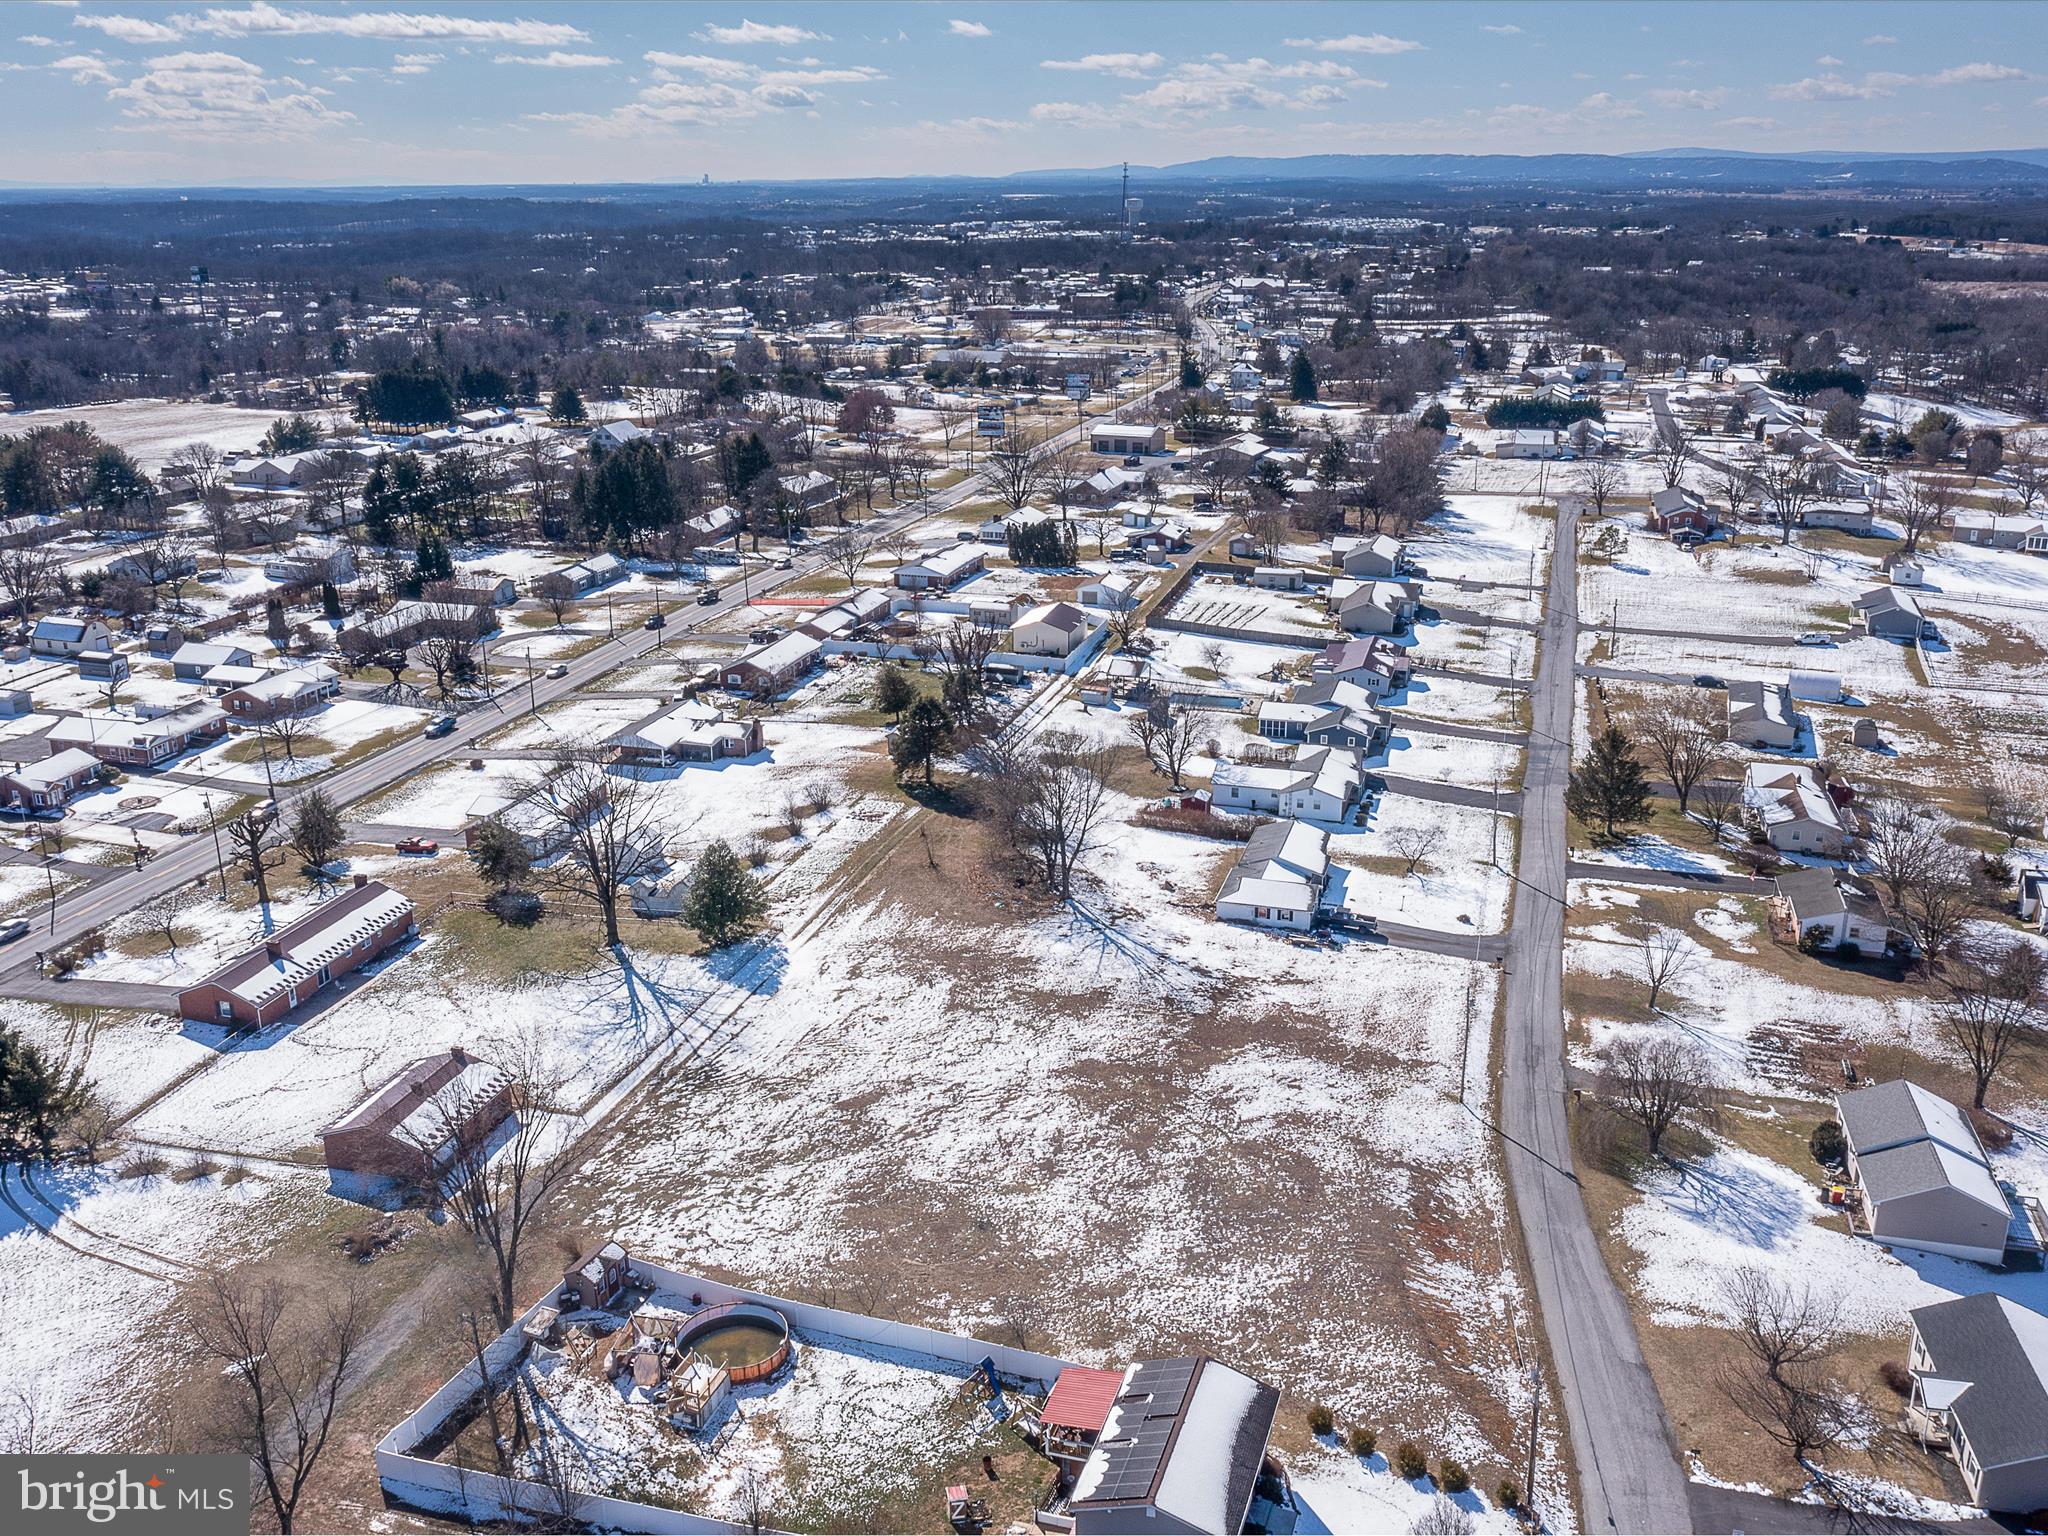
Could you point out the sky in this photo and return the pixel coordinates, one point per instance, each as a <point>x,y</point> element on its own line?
<point>267,92</point>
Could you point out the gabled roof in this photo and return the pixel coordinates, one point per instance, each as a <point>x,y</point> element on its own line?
<point>1895,1113</point>
<point>1185,1437</point>
<point>1997,1351</point>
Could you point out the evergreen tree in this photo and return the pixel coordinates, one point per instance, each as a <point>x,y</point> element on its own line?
<point>330,600</point>
<point>894,692</point>
<point>566,404</point>
<point>431,560</point>
<point>1302,386</point>
<point>723,897</point>
<point>1436,418</point>
<point>920,738</point>
<point>291,434</point>
<point>500,855</point>
<point>36,1096</point>
<point>1609,785</point>
<point>1190,371</point>
<point>276,626</point>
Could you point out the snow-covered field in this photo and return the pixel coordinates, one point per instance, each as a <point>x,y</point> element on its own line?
<point>1484,537</point>
<point>152,430</point>
<point>1455,887</point>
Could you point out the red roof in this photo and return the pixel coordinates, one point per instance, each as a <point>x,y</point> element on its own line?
<point>1081,1398</point>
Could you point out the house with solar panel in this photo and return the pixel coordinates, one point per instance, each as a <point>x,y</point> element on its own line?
<point>1160,1446</point>
<point>1921,1179</point>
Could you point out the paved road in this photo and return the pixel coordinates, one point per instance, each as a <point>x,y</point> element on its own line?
<point>1629,1476</point>
<point>1676,879</point>
<point>1509,800</point>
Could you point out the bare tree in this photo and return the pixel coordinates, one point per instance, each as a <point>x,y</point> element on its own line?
<point>1168,737</point>
<point>1923,508</point>
<point>557,593</point>
<point>288,727</point>
<point>1903,836</point>
<point>28,571</point>
<point>1654,1081</point>
<point>200,466</point>
<point>282,1357</point>
<point>449,652</point>
<point>499,1188</point>
<point>1599,482</point>
<point>1664,955</point>
<point>1940,901</point>
<point>962,659</point>
<point>1736,481</point>
<point>1063,802</point>
<point>1788,488</point>
<point>1414,844</point>
<point>1994,1002</point>
<point>253,838</point>
<point>2026,466</point>
<point>1674,446</point>
<point>847,555</point>
<point>2010,812</point>
<point>1720,805</point>
<point>1015,469</point>
<point>611,828</point>
<point>1779,1377</point>
<point>1686,734</point>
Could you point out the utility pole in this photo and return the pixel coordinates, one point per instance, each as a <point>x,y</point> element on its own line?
<point>220,862</point>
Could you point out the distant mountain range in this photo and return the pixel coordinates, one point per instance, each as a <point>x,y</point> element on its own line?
<point>1639,170</point>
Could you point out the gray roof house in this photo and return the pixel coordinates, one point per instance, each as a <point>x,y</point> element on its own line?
<point>1180,1451</point>
<point>1761,715</point>
<point>1980,1371</point>
<point>1922,1178</point>
<point>1891,613</point>
<point>1278,880</point>
<point>1843,908</point>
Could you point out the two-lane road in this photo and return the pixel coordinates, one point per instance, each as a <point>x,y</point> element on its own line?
<point>1629,1476</point>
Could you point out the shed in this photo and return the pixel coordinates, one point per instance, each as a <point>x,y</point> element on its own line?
<point>1816,687</point>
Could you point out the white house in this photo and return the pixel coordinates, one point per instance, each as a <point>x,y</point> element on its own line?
<point>59,634</point>
<point>941,568</point>
<point>1761,715</point>
<point>1278,880</point>
<point>1377,557</point>
<point>1321,784</point>
<point>1980,1371</point>
<point>1791,803</point>
<point>1115,592</point>
<point>1837,909</point>
<point>1050,629</point>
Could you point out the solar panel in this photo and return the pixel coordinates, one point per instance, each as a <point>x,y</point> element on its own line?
<point>1148,1409</point>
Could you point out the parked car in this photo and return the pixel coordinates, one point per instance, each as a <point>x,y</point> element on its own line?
<point>785,564</point>
<point>1815,637</point>
<point>440,725</point>
<point>1928,631</point>
<point>1132,461</point>
<point>707,598</point>
<point>417,845</point>
<point>18,929</point>
<point>656,621</point>
<point>559,669</point>
<point>1708,680</point>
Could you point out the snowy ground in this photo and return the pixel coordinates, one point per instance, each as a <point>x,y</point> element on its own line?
<point>1483,538</point>
<point>152,430</point>
<point>1455,888</point>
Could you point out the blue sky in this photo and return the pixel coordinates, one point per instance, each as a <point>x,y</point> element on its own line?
<point>273,92</point>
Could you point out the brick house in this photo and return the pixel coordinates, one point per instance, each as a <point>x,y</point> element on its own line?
<point>410,1127</point>
<point>260,986</point>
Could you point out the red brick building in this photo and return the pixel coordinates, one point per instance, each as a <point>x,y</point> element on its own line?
<point>412,1126</point>
<point>261,986</point>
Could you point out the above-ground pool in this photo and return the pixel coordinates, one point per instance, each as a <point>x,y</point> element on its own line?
<point>749,1341</point>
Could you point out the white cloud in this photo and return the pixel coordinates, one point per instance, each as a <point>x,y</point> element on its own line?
<point>1747,122</point>
<point>1128,66</point>
<point>705,90</point>
<point>757,32</point>
<point>1505,29</point>
<point>220,95</point>
<point>973,127</point>
<point>415,63</point>
<point>1828,61</point>
<point>1879,40</point>
<point>1595,110</point>
<point>37,40</point>
<point>128,29</point>
<point>84,69</point>
<point>1371,42</point>
<point>958,28</point>
<point>1698,101</point>
<point>557,59</point>
<point>1881,83</point>
<point>260,18</point>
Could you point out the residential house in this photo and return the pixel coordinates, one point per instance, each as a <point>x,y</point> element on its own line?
<point>1378,557</point>
<point>811,492</point>
<point>941,568</point>
<point>588,575</point>
<point>1050,629</point>
<point>146,571</point>
<point>1126,437</point>
<point>1761,715</point>
<point>1792,805</point>
<point>406,624</point>
<point>1326,712</point>
<point>1278,881</point>
<point>1921,1178</point>
<point>195,658</point>
<point>1833,910</point>
<point>1676,507</point>
<point>1158,538</point>
<point>1321,784</point>
<point>140,743</point>
<point>1843,516</point>
<point>2001,530</point>
<point>309,566</point>
<point>48,783</point>
<point>718,523</point>
<point>1980,1372</point>
<point>413,1126</point>
<point>1372,607</point>
<point>1376,666</point>
<point>1180,1451</point>
<point>340,936</point>
<point>1529,443</point>
<point>2033,896</point>
<point>63,634</point>
<point>687,732</point>
<point>1109,484</point>
<point>1115,592</point>
<point>773,667</point>
<point>290,691</point>
<point>1891,613</point>
<point>616,434</point>
<point>860,609</point>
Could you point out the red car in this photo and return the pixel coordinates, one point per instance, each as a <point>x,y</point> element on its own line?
<point>417,845</point>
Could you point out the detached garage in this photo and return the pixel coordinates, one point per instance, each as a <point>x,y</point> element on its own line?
<point>1126,437</point>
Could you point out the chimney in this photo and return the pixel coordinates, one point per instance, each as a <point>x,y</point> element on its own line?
<point>361,881</point>
<point>273,949</point>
